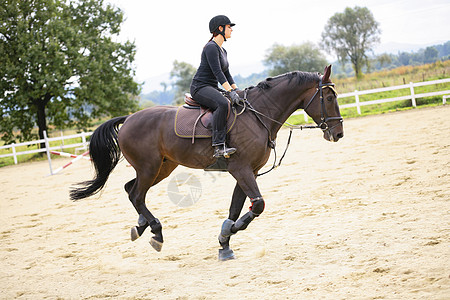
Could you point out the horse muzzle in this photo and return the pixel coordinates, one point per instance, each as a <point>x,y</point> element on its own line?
<point>334,133</point>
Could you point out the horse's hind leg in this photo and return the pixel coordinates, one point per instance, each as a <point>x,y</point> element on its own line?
<point>166,168</point>
<point>146,173</point>
<point>136,231</point>
<point>129,185</point>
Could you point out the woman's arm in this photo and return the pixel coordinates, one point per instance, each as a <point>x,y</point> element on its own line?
<point>229,87</point>
<point>212,56</point>
<point>225,79</point>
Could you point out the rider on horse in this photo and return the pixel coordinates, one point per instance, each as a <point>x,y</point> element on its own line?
<point>214,69</point>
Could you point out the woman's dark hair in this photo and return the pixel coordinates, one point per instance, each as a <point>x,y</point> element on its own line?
<point>215,33</point>
<point>213,36</point>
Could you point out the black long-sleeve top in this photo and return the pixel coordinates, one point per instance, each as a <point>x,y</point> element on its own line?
<point>214,67</point>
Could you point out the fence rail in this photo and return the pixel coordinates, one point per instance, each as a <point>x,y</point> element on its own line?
<point>83,145</point>
<point>412,96</point>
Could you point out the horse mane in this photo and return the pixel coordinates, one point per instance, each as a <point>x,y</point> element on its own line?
<point>299,76</point>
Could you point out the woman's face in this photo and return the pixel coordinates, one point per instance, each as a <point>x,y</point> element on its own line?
<point>228,31</point>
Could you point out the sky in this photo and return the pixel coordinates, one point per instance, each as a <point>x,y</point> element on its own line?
<point>169,30</point>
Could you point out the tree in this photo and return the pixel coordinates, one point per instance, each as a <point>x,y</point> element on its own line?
<point>59,65</point>
<point>430,55</point>
<point>383,59</point>
<point>404,58</point>
<point>351,35</point>
<point>444,49</point>
<point>183,73</point>
<point>305,57</point>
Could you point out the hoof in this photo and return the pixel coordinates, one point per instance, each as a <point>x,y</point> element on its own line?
<point>156,244</point>
<point>134,234</point>
<point>226,254</point>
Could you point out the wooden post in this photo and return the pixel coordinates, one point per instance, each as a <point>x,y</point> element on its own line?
<point>413,98</point>
<point>47,149</point>
<point>83,138</point>
<point>14,153</point>
<point>62,141</point>
<point>358,107</point>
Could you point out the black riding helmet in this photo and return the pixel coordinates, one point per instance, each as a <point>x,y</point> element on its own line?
<point>217,21</point>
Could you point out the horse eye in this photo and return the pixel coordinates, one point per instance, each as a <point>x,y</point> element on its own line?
<point>330,98</point>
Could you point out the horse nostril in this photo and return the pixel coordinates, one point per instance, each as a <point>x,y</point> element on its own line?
<point>340,135</point>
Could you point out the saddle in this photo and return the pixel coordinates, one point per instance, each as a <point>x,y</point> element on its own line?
<point>193,120</point>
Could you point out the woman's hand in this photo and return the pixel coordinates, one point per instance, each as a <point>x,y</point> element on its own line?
<point>235,99</point>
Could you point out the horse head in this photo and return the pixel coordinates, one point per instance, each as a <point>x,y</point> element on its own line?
<point>323,108</point>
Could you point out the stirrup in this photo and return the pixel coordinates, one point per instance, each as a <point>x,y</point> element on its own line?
<point>223,150</point>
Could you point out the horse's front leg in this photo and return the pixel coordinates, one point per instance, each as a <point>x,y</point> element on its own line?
<point>233,224</point>
<point>237,202</point>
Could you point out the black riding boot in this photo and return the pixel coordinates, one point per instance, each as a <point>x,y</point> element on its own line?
<point>218,138</point>
<point>223,150</point>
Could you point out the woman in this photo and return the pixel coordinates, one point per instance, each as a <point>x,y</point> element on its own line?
<point>213,69</point>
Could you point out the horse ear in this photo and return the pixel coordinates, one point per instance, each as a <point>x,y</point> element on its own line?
<point>327,73</point>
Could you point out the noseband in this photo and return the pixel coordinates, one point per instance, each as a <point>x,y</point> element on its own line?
<point>324,118</point>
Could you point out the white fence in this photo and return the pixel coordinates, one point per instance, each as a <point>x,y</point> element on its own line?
<point>83,145</point>
<point>412,96</point>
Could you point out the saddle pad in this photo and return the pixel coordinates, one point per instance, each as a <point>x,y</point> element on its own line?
<point>185,119</point>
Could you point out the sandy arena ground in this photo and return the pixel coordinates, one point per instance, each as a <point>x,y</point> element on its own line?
<point>365,218</point>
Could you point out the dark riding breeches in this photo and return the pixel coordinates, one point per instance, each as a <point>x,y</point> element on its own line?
<point>212,98</point>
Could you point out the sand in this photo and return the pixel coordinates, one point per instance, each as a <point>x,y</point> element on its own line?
<point>364,218</point>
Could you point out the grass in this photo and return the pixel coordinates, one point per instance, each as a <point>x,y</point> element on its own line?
<point>398,76</point>
<point>6,161</point>
<point>377,108</point>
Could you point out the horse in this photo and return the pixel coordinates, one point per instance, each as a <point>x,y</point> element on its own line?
<point>147,141</point>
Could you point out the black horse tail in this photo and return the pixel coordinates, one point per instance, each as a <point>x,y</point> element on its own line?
<point>105,155</point>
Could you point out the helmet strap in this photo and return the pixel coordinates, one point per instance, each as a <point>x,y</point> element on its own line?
<point>223,32</point>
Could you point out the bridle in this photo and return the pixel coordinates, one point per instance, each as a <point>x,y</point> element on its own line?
<point>324,118</point>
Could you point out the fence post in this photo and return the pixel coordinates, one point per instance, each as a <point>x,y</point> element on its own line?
<point>413,98</point>
<point>14,153</point>
<point>47,149</point>
<point>62,141</point>
<point>83,138</point>
<point>358,107</point>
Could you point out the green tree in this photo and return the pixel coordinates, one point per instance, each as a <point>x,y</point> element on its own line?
<point>404,58</point>
<point>183,73</point>
<point>351,35</point>
<point>430,55</point>
<point>60,65</point>
<point>305,57</point>
<point>383,59</point>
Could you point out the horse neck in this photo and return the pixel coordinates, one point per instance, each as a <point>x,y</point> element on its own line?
<point>280,101</point>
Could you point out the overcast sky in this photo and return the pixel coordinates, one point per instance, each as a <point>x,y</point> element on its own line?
<point>170,30</point>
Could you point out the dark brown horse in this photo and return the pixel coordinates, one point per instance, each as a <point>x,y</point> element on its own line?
<point>148,142</point>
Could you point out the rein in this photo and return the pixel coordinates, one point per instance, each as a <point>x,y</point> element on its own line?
<point>272,143</point>
<point>323,121</point>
